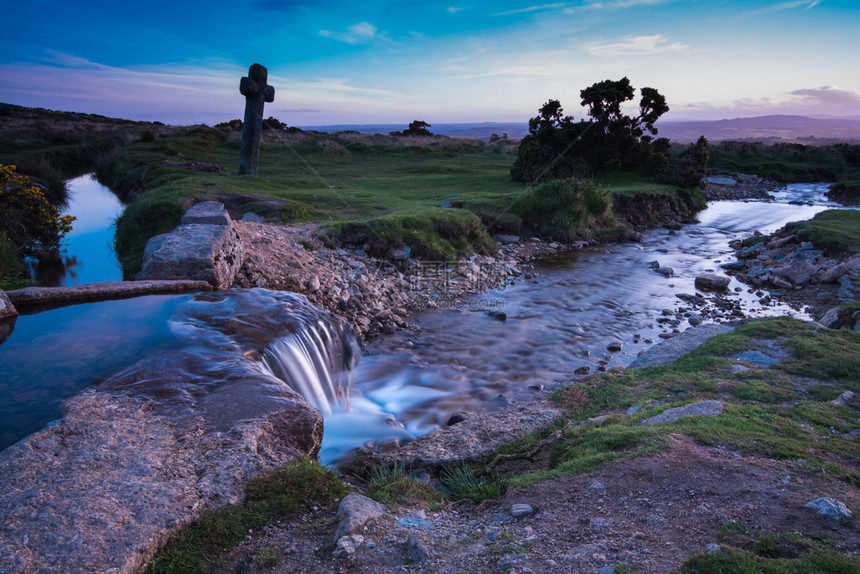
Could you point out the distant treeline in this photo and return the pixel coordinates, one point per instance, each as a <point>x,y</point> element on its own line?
<point>786,162</point>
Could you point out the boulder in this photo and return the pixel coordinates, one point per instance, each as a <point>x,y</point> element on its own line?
<point>208,213</point>
<point>797,273</point>
<point>198,251</point>
<point>712,282</point>
<point>700,409</point>
<point>831,319</point>
<point>354,512</point>
<point>8,315</point>
<point>838,271</point>
<point>103,490</point>
<point>7,309</point>
<point>830,508</point>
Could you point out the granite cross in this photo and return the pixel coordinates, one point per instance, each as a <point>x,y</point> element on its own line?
<point>256,92</point>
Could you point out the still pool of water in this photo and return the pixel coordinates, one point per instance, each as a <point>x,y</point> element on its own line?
<point>87,254</point>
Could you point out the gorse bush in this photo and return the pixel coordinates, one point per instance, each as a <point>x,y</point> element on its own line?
<point>30,223</point>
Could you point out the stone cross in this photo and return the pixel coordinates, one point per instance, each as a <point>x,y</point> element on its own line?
<point>256,92</point>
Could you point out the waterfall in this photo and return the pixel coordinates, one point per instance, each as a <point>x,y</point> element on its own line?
<point>317,362</point>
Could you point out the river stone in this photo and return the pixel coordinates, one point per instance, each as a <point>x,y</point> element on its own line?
<point>700,409</point>
<point>838,271</point>
<point>207,212</point>
<point>831,508</point>
<point>206,252</point>
<point>103,490</point>
<point>7,309</point>
<point>831,319</point>
<point>667,351</point>
<point>518,510</point>
<point>798,273</point>
<point>354,512</point>
<point>711,281</point>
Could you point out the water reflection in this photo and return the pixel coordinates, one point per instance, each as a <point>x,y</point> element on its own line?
<point>87,254</point>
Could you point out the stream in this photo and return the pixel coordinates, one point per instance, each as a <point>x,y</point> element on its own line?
<point>409,383</point>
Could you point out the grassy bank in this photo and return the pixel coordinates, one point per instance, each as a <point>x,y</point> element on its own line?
<point>51,146</point>
<point>835,231</point>
<point>440,196</point>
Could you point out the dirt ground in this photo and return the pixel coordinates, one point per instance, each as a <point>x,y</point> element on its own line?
<point>651,513</point>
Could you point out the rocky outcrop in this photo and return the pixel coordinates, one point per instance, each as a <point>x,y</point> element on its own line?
<point>102,490</point>
<point>141,455</point>
<point>205,247</point>
<point>8,314</point>
<point>798,272</point>
<point>47,297</point>
<point>700,409</point>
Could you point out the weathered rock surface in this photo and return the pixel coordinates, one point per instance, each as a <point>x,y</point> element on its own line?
<point>831,508</point>
<point>711,281</point>
<point>45,297</point>
<point>671,349</point>
<point>8,314</point>
<point>700,409</point>
<point>207,213</point>
<point>354,512</point>
<point>7,309</point>
<point>198,251</point>
<point>476,436</point>
<point>101,491</point>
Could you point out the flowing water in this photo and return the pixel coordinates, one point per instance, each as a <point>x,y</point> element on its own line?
<point>203,347</point>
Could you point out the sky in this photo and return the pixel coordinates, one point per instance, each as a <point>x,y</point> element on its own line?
<point>379,61</point>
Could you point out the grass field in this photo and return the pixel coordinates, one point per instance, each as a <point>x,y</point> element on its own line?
<point>442,197</point>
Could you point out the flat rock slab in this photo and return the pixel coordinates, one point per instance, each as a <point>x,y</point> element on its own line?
<point>208,213</point>
<point>202,252</point>
<point>701,409</point>
<point>667,351</point>
<point>102,491</point>
<point>46,297</point>
<point>757,358</point>
<point>477,435</point>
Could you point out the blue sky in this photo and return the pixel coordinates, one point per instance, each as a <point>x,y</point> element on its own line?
<point>379,61</point>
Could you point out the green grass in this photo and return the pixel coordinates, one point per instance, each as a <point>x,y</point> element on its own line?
<point>785,162</point>
<point>834,230</point>
<point>440,196</point>
<point>392,484</point>
<point>781,411</point>
<point>460,483</point>
<point>270,497</point>
<point>789,553</point>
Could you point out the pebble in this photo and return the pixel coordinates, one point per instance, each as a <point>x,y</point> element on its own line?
<point>518,510</point>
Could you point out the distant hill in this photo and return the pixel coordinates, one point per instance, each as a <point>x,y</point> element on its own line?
<point>800,129</point>
<point>481,131</point>
<point>765,128</point>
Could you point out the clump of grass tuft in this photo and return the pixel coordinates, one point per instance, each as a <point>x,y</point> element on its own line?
<point>460,483</point>
<point>267,557</point>
<point>566,210</point>
<point>269,497</point>
<point>392,484</point>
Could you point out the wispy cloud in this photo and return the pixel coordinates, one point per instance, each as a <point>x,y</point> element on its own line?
<point>361,33</point>
<point>455,9</point>
<point>793,5</point>
<point>635,46</point>
<point>536,8</point>
<point>623,3</point>
<point>829,96</point>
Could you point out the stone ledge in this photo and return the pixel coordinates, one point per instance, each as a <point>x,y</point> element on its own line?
<point>38,298</point>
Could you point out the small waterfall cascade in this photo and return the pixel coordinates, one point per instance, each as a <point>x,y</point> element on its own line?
<point>316,361</point>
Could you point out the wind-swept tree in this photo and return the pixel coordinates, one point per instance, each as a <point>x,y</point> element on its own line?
<point>558,147</point>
